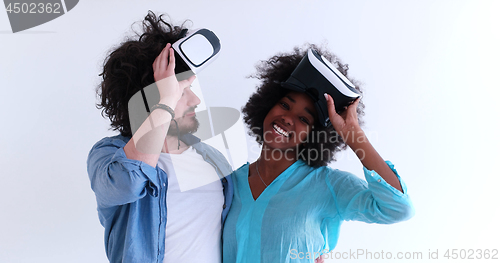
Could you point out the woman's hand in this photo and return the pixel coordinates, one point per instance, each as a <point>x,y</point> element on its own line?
<point>346,124</point>
<point>170,89</point>
<point>320,259</point>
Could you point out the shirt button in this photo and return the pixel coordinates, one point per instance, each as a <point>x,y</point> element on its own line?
<point>379,180</point>
<point>164,184</point>
<point>224,180</point>
<point>224,206</point>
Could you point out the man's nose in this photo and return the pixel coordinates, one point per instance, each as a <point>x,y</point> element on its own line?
<point>193,100</point>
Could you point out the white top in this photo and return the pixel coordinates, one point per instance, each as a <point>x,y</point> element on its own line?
<point>194,208</point>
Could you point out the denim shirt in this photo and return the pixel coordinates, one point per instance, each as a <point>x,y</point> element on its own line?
<point>131,198</point>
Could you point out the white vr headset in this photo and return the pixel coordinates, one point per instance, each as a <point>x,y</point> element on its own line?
<point>198,48</point>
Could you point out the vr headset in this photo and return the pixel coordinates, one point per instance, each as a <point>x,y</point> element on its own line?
<point>197,48</point>
<point>315,76</point>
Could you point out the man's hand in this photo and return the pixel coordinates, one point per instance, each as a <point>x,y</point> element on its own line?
<point>164,73</point>
<point>319,260</point>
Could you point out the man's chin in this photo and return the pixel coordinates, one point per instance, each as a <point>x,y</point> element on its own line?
<point>184,128</point>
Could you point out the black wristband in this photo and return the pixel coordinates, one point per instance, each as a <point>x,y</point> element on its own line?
<point>163,107</point>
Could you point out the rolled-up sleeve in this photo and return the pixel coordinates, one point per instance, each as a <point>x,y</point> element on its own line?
<point>117,180</point>
<point>373,200</point>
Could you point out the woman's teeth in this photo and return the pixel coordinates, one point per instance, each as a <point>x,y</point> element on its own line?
<point>280,131</point>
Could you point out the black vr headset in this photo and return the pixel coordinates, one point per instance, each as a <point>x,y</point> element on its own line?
<point>315,76</point>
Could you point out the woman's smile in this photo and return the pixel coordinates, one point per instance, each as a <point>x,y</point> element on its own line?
<point>280,130</point>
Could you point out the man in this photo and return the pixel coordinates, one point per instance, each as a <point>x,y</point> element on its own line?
<point>149,212</point>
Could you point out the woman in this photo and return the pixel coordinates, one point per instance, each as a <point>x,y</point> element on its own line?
<point>288,205</point>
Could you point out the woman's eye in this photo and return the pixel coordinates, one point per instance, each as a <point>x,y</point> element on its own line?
<point>284,105</point>
<point>306,121</point>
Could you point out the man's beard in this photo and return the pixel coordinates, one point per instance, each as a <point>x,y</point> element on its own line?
<point>184,128</point>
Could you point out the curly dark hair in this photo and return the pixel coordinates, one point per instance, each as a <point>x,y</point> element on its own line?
<point>128,69</point>
<point>323,142</point>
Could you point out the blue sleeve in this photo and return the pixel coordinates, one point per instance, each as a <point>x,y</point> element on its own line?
<point>371,201</point>
<point>117,180</point>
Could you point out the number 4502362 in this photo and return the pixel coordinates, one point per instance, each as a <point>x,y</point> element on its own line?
<point>471,254</point>
<point>34,8</point>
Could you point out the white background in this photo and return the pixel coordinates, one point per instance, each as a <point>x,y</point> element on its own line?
<point>430,72</point>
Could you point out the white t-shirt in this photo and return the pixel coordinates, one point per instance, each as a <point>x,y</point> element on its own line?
<point>194,208</point>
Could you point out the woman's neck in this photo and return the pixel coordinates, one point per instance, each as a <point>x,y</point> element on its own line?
<point>272,163</point>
